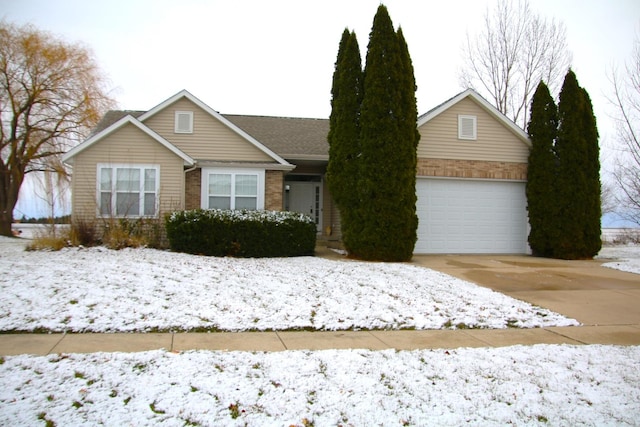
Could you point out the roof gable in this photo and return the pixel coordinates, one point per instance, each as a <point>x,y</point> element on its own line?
<point>479,100</point>
<point>244,135</point>
<point>128,119</point>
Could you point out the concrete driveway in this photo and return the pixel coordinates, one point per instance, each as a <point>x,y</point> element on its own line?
<point>583,290</point>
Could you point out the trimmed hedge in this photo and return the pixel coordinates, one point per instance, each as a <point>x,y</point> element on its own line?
<point>241,233</point>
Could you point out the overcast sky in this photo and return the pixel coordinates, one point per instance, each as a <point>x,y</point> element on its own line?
<point>276,57</point>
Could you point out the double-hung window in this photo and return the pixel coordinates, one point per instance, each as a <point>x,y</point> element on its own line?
<point>233,189</point>
<point>128,190</point>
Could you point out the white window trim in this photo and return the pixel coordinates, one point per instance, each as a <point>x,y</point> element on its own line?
<point>461,134</point>
<point>114,167</point>
<point>204,186</point>
<point>177,129</point>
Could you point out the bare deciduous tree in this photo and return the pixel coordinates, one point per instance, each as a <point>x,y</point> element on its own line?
<point>626,102</point>
<point>513,52</point>
<point>52,189</point>
<point>607,198</point>
<point>51,95</point>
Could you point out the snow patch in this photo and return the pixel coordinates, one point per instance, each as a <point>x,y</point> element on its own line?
<point>627,257</point>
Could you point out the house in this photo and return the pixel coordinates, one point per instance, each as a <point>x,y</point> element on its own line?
<point>182,154</point>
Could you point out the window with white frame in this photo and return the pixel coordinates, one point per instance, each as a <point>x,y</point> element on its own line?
<point>467,127</point>
<point>183,122</point>
<point>233,189</point>
<point>128,190</point>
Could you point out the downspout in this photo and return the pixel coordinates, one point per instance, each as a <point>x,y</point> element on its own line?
<point>191,169</point>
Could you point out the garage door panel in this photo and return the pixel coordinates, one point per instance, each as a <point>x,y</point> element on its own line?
<point>467,216</point>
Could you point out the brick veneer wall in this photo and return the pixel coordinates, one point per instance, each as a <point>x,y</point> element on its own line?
<point>472,169</point>
<point>192,189</point>
<point>274,184</point>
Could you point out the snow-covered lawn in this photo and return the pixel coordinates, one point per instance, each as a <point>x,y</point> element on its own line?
<point>538,385</point>
<point>102,290</point>
<point>627,257</point>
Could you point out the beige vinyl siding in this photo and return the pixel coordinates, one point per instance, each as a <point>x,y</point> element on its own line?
<point>495,142</point>
<point>127,145</point>
<point>210,140</point>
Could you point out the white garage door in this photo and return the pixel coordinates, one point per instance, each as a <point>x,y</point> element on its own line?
<point>465,216</point>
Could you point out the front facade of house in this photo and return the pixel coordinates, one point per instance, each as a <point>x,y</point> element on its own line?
<point>182,154</point>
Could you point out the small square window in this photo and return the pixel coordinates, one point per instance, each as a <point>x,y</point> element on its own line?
<point>467,127</point>
<point>184,122</point>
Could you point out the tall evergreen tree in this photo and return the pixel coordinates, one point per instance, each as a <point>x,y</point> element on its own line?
<point>344,129</point>
<point>408,137</point>
<point>542,172</point>
<point>388,143</point>
<point>410,116</point>
<point>578,183</point>
<point>593,231</point>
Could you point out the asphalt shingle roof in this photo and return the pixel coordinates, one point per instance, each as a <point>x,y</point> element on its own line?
<point>288,137</point>
<point>113,116</point>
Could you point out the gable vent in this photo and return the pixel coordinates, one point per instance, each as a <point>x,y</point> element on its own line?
<point>467,127</point>
<point>184,122</point>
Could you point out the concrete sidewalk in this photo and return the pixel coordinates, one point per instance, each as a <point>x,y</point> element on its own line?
<point>42,344</point>
<point>605,301</point>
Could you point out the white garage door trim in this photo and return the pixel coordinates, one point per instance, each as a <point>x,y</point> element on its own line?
<point>458,216</point>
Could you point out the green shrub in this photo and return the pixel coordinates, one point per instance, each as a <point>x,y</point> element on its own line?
<point>241,233</point>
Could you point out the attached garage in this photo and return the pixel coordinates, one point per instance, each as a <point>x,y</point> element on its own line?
<point>471,216</point>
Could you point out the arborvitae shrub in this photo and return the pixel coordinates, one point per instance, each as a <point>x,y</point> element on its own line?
<point>241,233</point>
<point>388,141</point>
<point>578,183</point>
<point>343,138</point>
<point>542,202</point>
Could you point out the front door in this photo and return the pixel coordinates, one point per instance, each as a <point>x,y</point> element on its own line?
<point>305,197</point>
